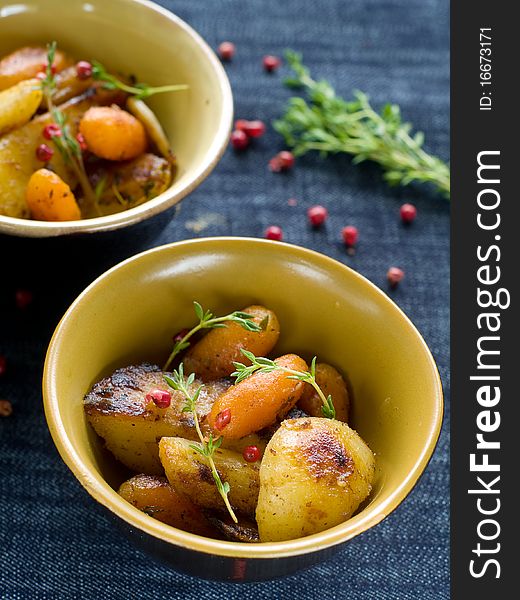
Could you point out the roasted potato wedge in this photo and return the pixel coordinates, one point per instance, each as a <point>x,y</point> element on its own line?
<point>26,62</point>
<point>189,474</point>
<point>213,356</point>
<point>257,401</point>
<point>314,475</point>
<point>156,497</point>
<point>131,427</point>
<point>331,382</point>
<point>18,104</point>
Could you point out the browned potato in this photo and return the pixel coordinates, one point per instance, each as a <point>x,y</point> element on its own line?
<point>130,183</point>
<point>18,104</point>
<point>26,63</point>
<point>314,475</point>
<point>131,427</point>
<point>156,497</point>
<point>189,474</point>
<point>213,356</point>
<point>331,382</point>
<point>257,401</point>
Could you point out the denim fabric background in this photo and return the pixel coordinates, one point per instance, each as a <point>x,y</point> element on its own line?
<point>52,544</point>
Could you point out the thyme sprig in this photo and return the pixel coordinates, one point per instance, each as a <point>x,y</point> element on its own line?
<point>139,90</point>
<point>328,124</point>
<point>260,364</point>
<point>65,142</point>
<point>208,445</point>
<point>207,320</point>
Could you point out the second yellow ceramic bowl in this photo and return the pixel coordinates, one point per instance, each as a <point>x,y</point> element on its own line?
<point>130,314</point>
<point>143,39</point>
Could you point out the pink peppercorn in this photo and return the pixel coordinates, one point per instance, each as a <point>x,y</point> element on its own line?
<point>251,454</point>
<point>408,213</point>
<point>3,365</point>
<point>226,50</point>
<point>161,398</point>
<point>44,153</point>
<point>283,161</point>
<point>273,232</point>
<point>222,419</point>
<point>271,63</point>
<point>80,138</point>
<point>350,235</point>
<point>239,140</point>
<point>394,276</point>
<point>317,215</point>
<point>51,130</point>
<point>83,69</point>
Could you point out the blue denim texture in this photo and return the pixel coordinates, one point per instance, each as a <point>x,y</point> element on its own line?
<point>52,544</point>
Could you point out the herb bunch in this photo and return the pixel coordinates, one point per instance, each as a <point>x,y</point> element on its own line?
<point>139,90</point>
<point>65,142</point>
<point>330,124</point>
<point>260,364</point>
<point>207,320</point>
<point>208,445</point>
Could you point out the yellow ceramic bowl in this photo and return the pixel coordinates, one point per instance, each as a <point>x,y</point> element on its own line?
<point>140,38</point>
<point>129,314</point>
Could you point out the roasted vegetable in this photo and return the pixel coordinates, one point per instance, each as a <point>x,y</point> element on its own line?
<point>18,104</point>
<point>127,184</point>
<point>154,129</point>
<point>156,497</point>
<point>131,425</point>
<point>49,198</point>
<point>113,133</point>
<point>212,357</point>
<point>257,401</point>
<point>18,160</point>
<point>26,62</point>
<point>314,475</point>
<point>331,382</point>
<point>188,472</point>
<point>244,531</point>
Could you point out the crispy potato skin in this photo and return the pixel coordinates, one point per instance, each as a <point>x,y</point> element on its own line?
<point>131,427</point>
<point>257,401</point>
<point>189,473</point>
<point>18,104</point>
<point>331,382</point>
<point>26,62</point>
<point>156,497</point>
<point>212,357</point>
<point>314,474</point>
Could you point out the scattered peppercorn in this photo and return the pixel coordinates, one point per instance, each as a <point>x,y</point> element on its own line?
<point>350,235</point>
<point>253,129</point>
<point>317,215</point>
<point>44,153</point>
<point>408,213</point>
<point>51,130</point>
<point>23,298</point>
<point>271,63</point>
<point>251,453</point>
<point>83,69</point>
<point>239,140</point>
<point>6,408</point>
<point>273,232</point>
<point>3,365</point>
<point>283,161</point>
<point>222,419</point>
<point>226,50</point>
<point>53,68</point>
<point>394,276</point>
<point>160,398</point>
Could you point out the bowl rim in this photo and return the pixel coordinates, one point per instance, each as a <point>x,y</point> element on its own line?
<point>40,229</point>
<point>99,489</point>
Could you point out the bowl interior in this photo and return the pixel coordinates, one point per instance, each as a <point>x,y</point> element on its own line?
<point>325,309</point>
<point>136,37</point>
